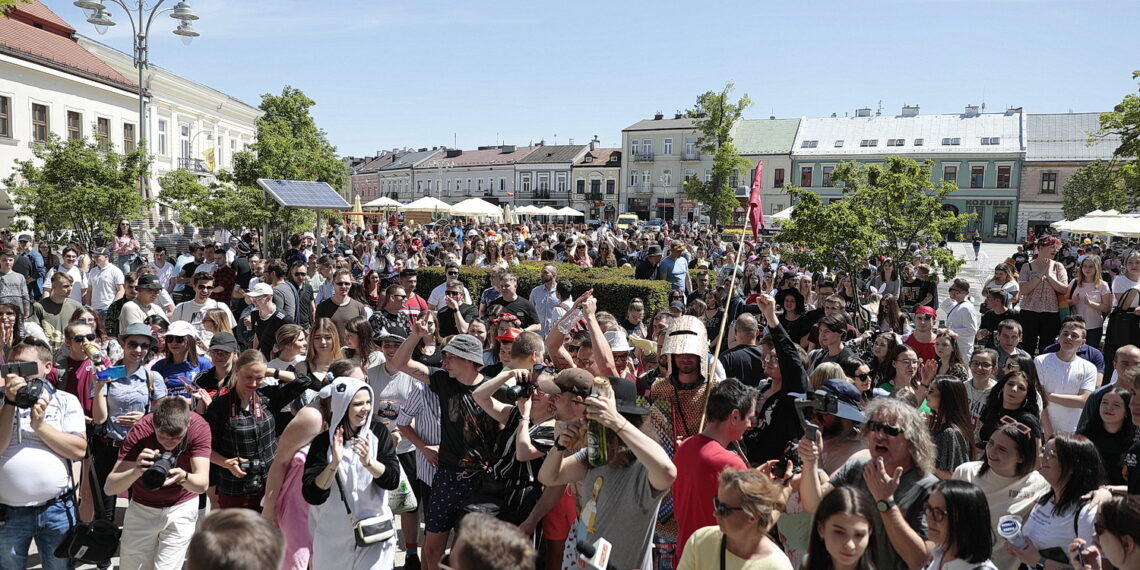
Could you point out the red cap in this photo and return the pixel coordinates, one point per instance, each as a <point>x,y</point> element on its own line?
<point>509,336</point>
<point>925,310</point>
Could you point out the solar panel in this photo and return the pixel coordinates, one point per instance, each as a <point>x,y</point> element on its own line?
<point>303,194</point>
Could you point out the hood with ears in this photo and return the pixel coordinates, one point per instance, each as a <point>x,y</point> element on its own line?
<point>340,393</point>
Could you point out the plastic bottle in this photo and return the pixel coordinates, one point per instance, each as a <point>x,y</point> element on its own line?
<point>570,320</point>
<point>598,451</point>
<point>1009,528</point>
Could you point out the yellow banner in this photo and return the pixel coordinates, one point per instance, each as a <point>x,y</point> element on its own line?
<point>208,154</point>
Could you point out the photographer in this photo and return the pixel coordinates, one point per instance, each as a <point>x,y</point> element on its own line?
<point>165,462</point>
<point>40,436</point>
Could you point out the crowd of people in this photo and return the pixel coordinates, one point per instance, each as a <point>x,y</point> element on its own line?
<point>769,417</point>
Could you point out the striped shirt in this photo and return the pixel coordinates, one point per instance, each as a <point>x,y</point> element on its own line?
<point>422,407</point>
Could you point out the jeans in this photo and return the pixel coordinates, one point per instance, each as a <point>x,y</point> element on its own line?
<point>47,524</point>
<point>126,262</point>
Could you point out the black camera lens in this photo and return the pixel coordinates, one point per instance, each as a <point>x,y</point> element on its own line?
<point>155,475</point>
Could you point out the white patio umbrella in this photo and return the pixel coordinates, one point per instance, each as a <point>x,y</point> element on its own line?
<point>1102,223</point>
<point>384,203</point>
<point>548,211</point>
<point>568,211</point>
<point>477,207</point>
<point>528,210</point>
<point>426,204</point>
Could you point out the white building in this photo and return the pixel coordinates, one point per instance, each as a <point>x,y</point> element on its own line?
<point>595,180</point>
<point>51,84</point>
<point>189,126</point>
<point>658,155</point>
<point>455,175</point>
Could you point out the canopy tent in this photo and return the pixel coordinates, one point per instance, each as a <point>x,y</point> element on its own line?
<point>477,207</point>
<point>426,204</point>
<point>568,211</point>
<point>1110,223</point>
<point>785,214</point>
<point>548,211</point>
<point>528,210</point>
<point>384,203</point>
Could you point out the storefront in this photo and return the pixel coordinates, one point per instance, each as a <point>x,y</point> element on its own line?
<point>665,209</point>
<point>600,211</point>
<point>639,206</point>
<point>994,217</point>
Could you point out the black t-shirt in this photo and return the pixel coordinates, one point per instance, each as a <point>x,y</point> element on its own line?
<point>645,270</point>
<point>244,273</point>
<point>990,322</point>
<point>446,318</point>
<point>266,329</point>
<point>910,294</point>
<point>745,363</point>
<point>1131,468</point>
<point>1019,259</point>
<point>466,433</point>
<point>520,307</point>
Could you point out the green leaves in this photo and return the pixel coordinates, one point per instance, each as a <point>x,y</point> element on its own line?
<point>1124,120</point>
<point>885,210</point>
<point>74,187</point>
<point>713,117</point>
<point>1097,185</point>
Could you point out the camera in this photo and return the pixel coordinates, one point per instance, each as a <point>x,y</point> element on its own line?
<point>512,394</point>
<point>791,454</point>
<point>820,401</point>
<point>31,393</point>
<point>252,467</point>
<point>22,369</point>
<point>155,475</point>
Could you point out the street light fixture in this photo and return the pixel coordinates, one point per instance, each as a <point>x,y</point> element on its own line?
<point>141,19</point>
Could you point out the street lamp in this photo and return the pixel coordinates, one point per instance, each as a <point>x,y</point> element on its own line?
<point>143,17</point>
<point>438,164</point>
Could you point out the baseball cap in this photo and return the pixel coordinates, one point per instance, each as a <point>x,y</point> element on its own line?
<point>224,341</point>
<point>466,347</point>
<point>677,305</point>
<point>925,310</point>
<point>181,328</point>
<point>25,237</point>
<point>577,381</point>
<point>259,290</point>
<point>148,282</point>
<point>390,335</point>
<point>101,251</point>
<point>137,329</point>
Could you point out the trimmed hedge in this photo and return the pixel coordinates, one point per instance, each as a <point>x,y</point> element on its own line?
<point>613,287</point>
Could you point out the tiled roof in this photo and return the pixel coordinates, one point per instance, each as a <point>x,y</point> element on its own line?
<point>374,163</point>
<point>765,136</point>
<point>1065,137</point>
<point>968,129</point>
<point>554,154</point>
<point>662,124</point>
<point>488,157</point>
<point>52,45</point>
<point>600,157</point>
<point>410,159</point>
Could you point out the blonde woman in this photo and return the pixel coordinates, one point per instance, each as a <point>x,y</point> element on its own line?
<point>1091,298</point>
<point>1005,278</point>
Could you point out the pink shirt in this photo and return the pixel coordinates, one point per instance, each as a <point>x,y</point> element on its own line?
<point>1043,299</point>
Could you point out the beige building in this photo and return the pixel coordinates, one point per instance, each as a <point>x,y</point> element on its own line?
<point>658,155</point>
<point>768,141</point>
<point>595,177</point>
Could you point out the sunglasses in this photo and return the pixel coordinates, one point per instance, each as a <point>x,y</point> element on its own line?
<point>573,348</point>
<point>171,339</point>
<point>540,368</point>
<point>935,513</point>
<point>344,284</point>
<point>887,429</point>
<point>133,344</point>
<point>453,273</point>
<point>205,287</point>
<point>923,317</point>
<point>1020,427</point>
<point>300,274</point>
<point>454,293</point>
<point>721,510</point>
<point>864,376</point>
<point>398,296</point>
<point>83,337</point>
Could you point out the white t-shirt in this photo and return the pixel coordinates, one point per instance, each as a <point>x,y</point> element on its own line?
<point>1006,496</point>
<point>1066,378</point>
<point>163,273</point>
<point>104,283</point>
<point>1049,530</point>
<point>1122,284</point>
<point>79,281</point>
<point>30,472</point>
<point>391,391</point>
<point>193,312</point>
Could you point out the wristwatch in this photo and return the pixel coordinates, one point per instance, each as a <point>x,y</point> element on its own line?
<point>886,505</point>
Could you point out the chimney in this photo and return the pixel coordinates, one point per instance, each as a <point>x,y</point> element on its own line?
<point>863,112</point>
<point>771,117</point>
<point>658,116</point>
<point>677,115</point>
<point>508,148</point>
<point>452,153</point>
<point>910,110</point>
<point>971,111</point>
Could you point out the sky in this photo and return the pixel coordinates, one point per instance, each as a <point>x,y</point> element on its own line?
<point>424,74</point>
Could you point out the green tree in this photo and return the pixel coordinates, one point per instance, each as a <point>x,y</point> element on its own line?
<point>289,146</point>
<point>74,186</point>
<point>714,116</point>
<point>1096,185</point>
<point>1124,121</point>
<point>885,210</point>
<point>222,203</point>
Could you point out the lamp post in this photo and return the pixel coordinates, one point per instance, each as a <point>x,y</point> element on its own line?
<point>438,164</point>
<point>141,20</point>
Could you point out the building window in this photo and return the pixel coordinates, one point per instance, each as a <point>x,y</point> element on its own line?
<point>1003,176</point>
<point>525,182</point>
<point>991,140</point>
<point>74,125</point>
<point>162,137</point>
<point>950,174</point>
<point>633,177</point>
<point>595,188</point>
<point>805,177</point>
<point>646,177</point>
<point>778,178</point>
<point>634,147</point>
<point>918,142</point>
<point>561,182</point>
<point>690,147</point>
<point>39,122</point>
<point>839,143</point>
<point>647,147</point>
<point>668,146</point>
<point>184,131</point>
<point>611,186</point>
<point>690,174</point>
<point>951,141</point>
<point>502,185</point>
<point>896,142</point>
<point>708,175</point>
<point>869,142</point>
<point>6,117</point>
<point>667,177</point>
<point>129,137</point>
<point>1048,182</point>
<point>544,182</point>
<point>103,132</point>
<point>581,186</point>
<point>977,176</point>
<point>827,176</point>
<point>809,144</point>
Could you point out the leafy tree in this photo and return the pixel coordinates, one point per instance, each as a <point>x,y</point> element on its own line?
<point>888,210</point>
<point>1095,186</point>
<point>222,203</point>
<point>289,146</point>
<point>1124,121</point>
<point>714,116</point>
<point>75,186</point>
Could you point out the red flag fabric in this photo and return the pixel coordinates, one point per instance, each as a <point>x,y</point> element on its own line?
<point>756,215</point>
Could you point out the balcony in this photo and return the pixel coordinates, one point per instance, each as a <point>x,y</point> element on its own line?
<point>594,197</point>
<point>643,157</point>
<point>690,156</point>
<point>195,165</point>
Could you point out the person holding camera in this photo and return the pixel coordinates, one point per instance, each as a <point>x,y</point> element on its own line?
<point>42,432</point>
<point>165,462</point>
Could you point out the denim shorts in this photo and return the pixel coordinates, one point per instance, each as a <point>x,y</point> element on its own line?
<point>47,524</point>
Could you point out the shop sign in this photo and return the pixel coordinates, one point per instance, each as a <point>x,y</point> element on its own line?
<point>989,202</point>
